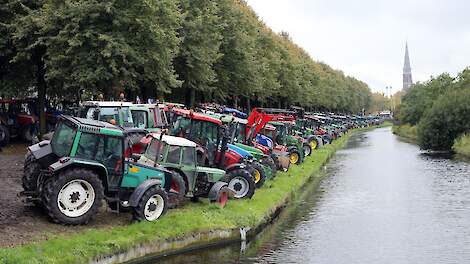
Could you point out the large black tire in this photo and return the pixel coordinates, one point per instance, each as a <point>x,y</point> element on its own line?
<point>53,187</point>
<point>268,161</point>
<point>260,174</point>
<point>151,211</point>
<point>307,149</point>
<point>31,171</point>
<point>178,184</point>
<point>4,136</point>
<point>292,154</point>
<point>232,178</point>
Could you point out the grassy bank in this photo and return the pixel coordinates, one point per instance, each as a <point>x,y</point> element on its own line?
<point>407,131</point>
<point>462,145</point>
<point>178,223</point>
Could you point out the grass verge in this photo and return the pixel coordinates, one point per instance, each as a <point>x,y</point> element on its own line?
<point>177,223</point>
<point>462,145</point>
<point>406,131</point>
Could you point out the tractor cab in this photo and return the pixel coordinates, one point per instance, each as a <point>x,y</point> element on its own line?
<point>179,155</point>
<point>212,139</point>
<point>149,116</point>
<point>115,113</point>
<point>86,161</point>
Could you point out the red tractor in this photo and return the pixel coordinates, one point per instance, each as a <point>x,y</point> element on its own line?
<point>212,137</point>
<point>18,119</point>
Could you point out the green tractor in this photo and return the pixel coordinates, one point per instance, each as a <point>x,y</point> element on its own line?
<point>179,155</point>
<point>149,116</point>
<point>85,162</point>
<point>282,136</point>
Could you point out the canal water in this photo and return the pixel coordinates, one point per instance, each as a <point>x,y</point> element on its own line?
<point>381,201</point>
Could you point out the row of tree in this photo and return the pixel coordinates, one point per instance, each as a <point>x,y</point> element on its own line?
<point>183,50</point>
<point>439,108</point>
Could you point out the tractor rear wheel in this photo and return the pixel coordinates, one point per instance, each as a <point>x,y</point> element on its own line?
<point>294,156</point>
<point>241,182</point>
<point>4,136</point>
<point>31,171</point>
<point>152,205</point>
<point>178,185</point>
<point>259,174</point>
<point>73,197</point>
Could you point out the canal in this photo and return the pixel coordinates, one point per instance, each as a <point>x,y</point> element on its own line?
<point>382,201</point>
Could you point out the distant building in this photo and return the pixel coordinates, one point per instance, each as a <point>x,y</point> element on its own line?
<point>407,77</point>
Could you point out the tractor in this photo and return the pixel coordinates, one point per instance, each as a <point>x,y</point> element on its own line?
<point>85,162</point>
<point>257,122</point>
<point>178,155</point>
<point>116,113</point>
<point>211,137</point>
<point>149,116</point>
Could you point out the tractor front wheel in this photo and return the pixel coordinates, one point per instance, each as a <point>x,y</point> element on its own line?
<point>313,143</point>
<point>241,182</point>
<point>294,156</point>
<point>152,205</point>
<point>259,174</point>
<point>73,197</point>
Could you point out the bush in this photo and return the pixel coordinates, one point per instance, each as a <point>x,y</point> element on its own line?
<point>462,145</point>
<point>448,118</point>
<point>406,131</point>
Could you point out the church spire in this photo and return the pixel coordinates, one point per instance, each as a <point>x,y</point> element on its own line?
<point>407,77</point>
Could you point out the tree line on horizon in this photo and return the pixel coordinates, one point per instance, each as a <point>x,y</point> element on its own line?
<point>187,51</point>
<point>439,109</point>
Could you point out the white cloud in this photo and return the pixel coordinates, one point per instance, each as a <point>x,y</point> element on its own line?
<point>366,39</point>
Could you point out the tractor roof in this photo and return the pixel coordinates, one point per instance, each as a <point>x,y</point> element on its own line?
<point>107,104</point>
<point>197,116</point>
<point>175,141</point>
<point>94,126</point>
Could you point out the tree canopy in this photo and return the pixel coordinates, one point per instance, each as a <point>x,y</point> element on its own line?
<point>179,50</point>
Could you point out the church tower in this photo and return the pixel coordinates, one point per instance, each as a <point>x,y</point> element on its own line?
<point>407,78</point>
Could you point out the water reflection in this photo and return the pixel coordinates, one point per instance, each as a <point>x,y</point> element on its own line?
<point>382,201</point>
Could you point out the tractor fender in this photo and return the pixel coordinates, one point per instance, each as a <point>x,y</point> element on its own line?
<point>289,148</point>
<point>202,153</point>
<point>67,162</point>
<point>40,149</point>
<point>141,189</point>
<point>215,190</point>
<point>236,166</point>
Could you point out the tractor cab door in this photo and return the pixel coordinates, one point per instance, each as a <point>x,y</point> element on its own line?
<point>188,166</point>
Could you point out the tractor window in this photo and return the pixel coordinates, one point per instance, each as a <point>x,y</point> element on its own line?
<point>173,154</point>
<point>62,140</point>
<point>181,127</point>
<point>112,154</point>
<point>152,150</point>
<point>189,156</point>
<point>89,147</point>
<point>140,118</point>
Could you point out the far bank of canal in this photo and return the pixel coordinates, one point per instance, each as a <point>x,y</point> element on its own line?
<point>381,201</point>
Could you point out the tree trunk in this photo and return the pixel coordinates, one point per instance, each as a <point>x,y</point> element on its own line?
<point>41,83</point>
<point>192,97</point>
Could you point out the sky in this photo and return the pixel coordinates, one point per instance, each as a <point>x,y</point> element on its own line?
<point>366,38</point>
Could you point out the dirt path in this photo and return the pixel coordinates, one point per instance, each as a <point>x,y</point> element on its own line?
<point>20,224</point>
